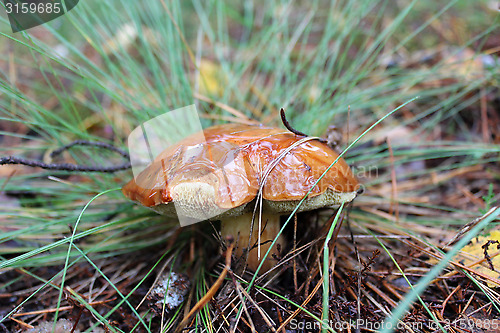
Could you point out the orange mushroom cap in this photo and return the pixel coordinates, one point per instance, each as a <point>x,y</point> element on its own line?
<point>245,152</point>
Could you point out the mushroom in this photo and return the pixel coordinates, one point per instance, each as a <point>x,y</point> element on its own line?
<point>222,177</point>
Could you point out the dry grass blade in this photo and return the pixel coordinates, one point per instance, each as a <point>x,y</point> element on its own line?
<point>245,309</point>
<point>468,227</point>
<point>22,323</point>
<point>62,308</point>
<point>261,312</point>
<point>211,292</point>
<point>238,114</point>
<point>306,301</point>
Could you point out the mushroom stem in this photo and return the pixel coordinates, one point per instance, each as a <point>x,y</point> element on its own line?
<point>239,227</point>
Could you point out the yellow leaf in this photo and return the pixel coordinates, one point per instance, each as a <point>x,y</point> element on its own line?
<point>211,78</point>
<point>474,252</point>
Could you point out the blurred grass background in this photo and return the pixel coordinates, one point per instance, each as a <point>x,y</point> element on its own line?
<point>107,66</point>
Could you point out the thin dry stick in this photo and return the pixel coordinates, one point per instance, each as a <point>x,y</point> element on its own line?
<point>77,319</point>
<point>293,130</point>
<point>63,308</point>
<point>296,312</point>
<point>261,96</point>
<point>358,295</point>
<point>382,309</point>
<point>280,319</point>
<point>443,306</point>
<point>471,196</point>
<point>233,298</point>
<point>181,35</point>
<point>472,297</point>
<point>22,323</point>
<point>62,166</point>
<point>276,302</point>
<point>382,295</point>
<point>211,292</point>
<point>391,289</point>
<point>266,319</point>
<point>234,309</point>
<point>228,119</point>
<point>288,126</point>
<point>98,144</point>
<point>225,107</point>
<point>289,256</point>
<point>158,277</point>
<point>238,291</point>
<point>473,312</point>
<point>69,166</point>
<point>224,317</point>
<point>469,226</point>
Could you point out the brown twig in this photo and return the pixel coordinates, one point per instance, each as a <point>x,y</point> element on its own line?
<point>303,305</point>
<point>69,166</point>
<point>293,130</point>
<point>256,306</point>
<point>468,227</point>
<point>22,323</point>
<point>62,166</point>
<point>62,308</point>
<point>280,320</point>
<point>237,288</point>
<point>231,110</point>
<point>443,306</point>
<point>485,251</point>
<point>103,145</point>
